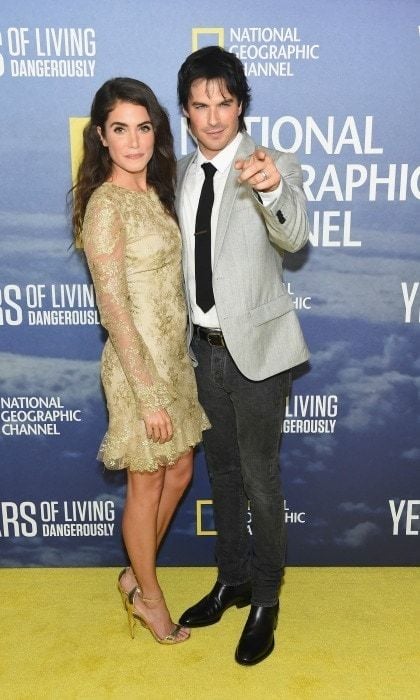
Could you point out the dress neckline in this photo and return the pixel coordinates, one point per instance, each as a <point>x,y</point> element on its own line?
<point>147,192</point>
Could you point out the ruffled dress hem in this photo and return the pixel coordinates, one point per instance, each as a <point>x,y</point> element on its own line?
<point>143,456</point>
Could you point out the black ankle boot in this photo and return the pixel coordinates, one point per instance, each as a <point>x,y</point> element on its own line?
<point>257,639</point>
<point>211,608</point>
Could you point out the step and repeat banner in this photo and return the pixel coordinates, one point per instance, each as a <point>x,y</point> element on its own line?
<point>337,83</point>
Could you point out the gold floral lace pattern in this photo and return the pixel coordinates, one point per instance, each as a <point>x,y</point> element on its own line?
<point>133,251</point>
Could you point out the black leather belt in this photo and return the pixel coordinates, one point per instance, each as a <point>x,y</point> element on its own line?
<point>212,335</point>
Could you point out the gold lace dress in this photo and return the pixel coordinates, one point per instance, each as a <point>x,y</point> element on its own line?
<point>133,249</point>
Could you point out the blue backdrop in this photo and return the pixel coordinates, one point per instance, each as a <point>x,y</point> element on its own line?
<point>338,83</point>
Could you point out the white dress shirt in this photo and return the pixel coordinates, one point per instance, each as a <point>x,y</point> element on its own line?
<point>193,184</point>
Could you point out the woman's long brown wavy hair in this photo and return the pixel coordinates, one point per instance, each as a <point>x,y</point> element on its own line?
<point>96,165</point>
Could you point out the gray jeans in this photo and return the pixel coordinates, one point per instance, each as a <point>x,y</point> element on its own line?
<point>242,451</point>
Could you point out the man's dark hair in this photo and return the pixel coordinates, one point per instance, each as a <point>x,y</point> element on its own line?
<point>214,63</point>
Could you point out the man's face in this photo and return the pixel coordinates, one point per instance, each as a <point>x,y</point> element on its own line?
<point>213,113</point>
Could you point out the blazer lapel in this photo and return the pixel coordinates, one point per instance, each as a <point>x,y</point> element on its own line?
<point>182,167</point>
<point>230,192</point>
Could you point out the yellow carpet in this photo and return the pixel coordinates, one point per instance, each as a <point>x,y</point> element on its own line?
<point>343,633</point>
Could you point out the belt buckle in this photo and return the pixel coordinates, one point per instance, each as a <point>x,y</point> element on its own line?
<point>215,339</point>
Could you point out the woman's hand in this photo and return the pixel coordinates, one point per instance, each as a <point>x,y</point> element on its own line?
<point>159,426</point>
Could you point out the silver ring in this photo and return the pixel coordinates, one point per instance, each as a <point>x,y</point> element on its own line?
<point>264,174</point>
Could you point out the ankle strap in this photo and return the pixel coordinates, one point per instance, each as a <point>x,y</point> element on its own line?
<point>137,591</point>
<point>149,600</point>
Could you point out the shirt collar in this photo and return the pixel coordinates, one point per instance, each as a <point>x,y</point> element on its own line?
<point>224,158</point>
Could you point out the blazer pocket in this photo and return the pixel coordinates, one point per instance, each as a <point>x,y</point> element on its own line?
<point>271,309</point>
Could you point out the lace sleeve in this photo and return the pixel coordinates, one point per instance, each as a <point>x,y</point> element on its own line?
<point>104,245</point>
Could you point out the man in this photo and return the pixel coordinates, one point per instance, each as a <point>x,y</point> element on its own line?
<point>239,213</point>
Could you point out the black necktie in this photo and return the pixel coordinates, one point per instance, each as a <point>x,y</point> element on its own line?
<point>203,274</point>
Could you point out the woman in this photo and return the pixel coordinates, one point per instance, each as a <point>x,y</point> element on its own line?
<point>124,218</point>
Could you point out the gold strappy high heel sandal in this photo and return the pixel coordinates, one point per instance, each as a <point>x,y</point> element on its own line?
<point>124,594</point>
<point>134,616</point>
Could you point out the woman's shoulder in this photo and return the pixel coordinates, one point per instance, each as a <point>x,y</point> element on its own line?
<point>105,197</point>
<point>103,193</point>
<point>103,209</point>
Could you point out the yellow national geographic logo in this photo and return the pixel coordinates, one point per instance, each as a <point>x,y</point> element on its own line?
<point>76,126</point>
<point>200,37</point>
<point>203,504</point>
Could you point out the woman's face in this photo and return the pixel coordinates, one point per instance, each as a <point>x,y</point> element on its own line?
<point>128,135</point>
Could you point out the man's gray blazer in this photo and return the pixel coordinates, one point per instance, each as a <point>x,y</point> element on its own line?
<point>255,311</point>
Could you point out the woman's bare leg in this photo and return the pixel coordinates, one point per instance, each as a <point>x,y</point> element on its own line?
<point>150,503</point>
<point>139,524</point>
<point>176,481</point>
